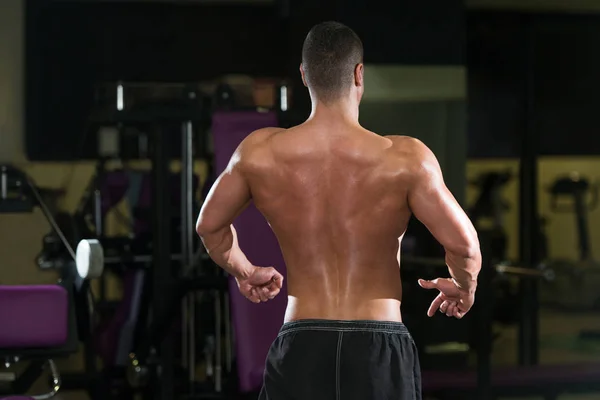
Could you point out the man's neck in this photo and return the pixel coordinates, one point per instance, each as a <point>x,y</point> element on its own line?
<point>339,111</point>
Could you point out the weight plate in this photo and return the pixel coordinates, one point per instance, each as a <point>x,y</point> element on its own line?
<point>89,259</point>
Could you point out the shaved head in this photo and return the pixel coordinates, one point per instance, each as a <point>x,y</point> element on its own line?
<point>330,55</point>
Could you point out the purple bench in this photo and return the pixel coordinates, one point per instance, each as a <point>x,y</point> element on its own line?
<point>33,316</point>
<point>37,322</point>
<point>255,325</point>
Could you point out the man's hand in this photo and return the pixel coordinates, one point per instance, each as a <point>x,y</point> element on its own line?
<point>451,301</point>
<point>262,285</point>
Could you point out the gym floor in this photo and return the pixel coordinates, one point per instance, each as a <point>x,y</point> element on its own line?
<point>559,344</point>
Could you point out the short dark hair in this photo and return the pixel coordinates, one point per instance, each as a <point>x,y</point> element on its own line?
<point>330,54</point>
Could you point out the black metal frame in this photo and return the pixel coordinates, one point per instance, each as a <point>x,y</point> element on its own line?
<point>528,216</point>
<point>162,275</point>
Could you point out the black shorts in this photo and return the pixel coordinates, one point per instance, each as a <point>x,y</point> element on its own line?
<point>342,360</point>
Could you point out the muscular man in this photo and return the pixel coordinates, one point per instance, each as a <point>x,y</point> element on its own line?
<point>339,198</point>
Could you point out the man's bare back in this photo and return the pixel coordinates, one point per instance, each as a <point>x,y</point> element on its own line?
<point>339,198</point>
<point>328,193</point>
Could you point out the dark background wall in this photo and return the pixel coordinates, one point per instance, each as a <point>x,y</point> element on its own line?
<point>425,32</point>
<point>71,45</point>
<point>540,68</point>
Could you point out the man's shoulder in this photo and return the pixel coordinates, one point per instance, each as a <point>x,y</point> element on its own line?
<point>404,141</point>
<point>409,146</point>
<point>257,138</point>
<point>412,157</point>
<point>262,134</point>
<point>254,147</point>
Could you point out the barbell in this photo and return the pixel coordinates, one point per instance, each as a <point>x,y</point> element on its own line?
<point>501,268</point>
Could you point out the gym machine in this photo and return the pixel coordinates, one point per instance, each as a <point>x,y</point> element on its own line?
<point>491,204</point>
<point>575,290</point>
<point>583,275</point>
<point>176,281</point>
<point>123,331</point>
<point>578,189</point>
<point>40,322</point>
<point>19,194</point>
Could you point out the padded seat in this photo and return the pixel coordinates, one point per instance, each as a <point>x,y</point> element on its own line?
<point>33,316</point>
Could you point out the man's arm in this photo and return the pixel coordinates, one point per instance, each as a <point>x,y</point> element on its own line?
<point>227,198</point>
<point>435,206</point>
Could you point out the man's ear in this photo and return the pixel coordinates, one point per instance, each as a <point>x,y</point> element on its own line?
<point>302,74</point>
<point>359,75</point>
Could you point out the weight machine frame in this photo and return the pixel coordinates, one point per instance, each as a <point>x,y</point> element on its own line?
<point>163,280</point>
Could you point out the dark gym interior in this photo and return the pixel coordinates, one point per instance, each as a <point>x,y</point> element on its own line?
<point>117,116</point>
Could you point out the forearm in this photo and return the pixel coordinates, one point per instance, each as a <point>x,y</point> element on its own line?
<point>464,268</point>
<point>222,246</point>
